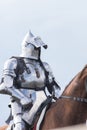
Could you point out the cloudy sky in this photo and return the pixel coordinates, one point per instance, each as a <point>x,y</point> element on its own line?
<point>62,24</point>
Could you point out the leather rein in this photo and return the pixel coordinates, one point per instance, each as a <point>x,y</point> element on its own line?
<point>78,99</point>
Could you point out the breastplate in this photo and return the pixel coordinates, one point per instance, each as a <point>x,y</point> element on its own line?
<point>34,76</point>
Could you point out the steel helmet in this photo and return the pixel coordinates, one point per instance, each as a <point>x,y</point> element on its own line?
<point>31,46</point>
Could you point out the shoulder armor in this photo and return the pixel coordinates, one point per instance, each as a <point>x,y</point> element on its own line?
<point>9,67</point>
<point>49,70</point>
<point>47,67</point>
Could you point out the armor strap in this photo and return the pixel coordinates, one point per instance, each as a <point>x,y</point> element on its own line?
<point>9,118</point>
<point>47,78</point>
<point>47,83</point>
<point>21,66</point>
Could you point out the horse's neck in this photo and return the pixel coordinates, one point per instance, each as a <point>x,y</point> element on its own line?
<point>71,87</point>
<point>75,109</point>
<point>3,127</point>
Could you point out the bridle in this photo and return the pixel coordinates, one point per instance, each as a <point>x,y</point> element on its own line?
<point>78,99</point>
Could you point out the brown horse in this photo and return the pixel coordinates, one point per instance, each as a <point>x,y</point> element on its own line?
<point>71,107</point>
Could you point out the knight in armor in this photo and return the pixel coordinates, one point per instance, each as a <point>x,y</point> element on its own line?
<point>22,77</point>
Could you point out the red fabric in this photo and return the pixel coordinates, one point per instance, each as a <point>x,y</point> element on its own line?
<point>34,127</point>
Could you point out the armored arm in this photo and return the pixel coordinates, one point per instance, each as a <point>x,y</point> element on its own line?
<point>8,76</point>
<point>7,85</point>
<point>51,83</point>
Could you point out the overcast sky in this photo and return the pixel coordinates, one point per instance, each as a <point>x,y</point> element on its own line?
<point>62,24</point>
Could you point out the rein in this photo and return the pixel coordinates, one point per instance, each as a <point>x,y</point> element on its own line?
<point>78,99</point>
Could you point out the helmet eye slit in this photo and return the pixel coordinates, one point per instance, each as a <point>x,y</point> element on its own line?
<point>27,44</point>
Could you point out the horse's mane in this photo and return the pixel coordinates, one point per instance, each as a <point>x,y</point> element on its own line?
<point>69,84</point>
<point>80,75</point>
